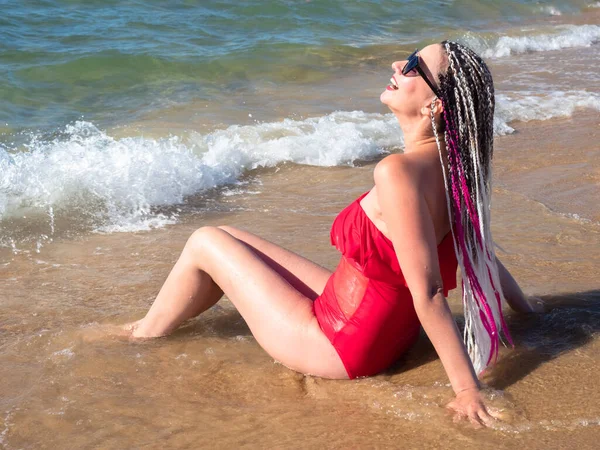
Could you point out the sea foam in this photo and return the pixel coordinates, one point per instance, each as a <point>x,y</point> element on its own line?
<point>116,183</point>
<point>551,10</point>
<point>136,183</point>
<point>522,107</point>
<point>567,36</point>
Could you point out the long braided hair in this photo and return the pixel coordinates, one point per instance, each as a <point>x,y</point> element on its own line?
<point>467,96</point>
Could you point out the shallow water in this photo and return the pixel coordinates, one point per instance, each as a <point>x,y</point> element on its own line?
<point>65,386</point>
<point>284,173</point>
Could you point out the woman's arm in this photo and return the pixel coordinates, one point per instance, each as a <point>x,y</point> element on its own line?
<point>438,323</point>
<point>412,232</point>
<point>513,294</point>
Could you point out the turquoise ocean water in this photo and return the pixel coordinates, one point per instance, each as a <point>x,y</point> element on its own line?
<point>112,60</point>
<point>72,72</point>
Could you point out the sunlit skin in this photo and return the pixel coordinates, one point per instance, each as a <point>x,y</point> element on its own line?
<point>408,203</point>
<point>273,288</point>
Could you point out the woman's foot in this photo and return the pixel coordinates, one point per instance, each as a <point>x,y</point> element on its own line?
<point>99,332</point>
<point>131,326</point>
<point>140,330</point>
<point>133,330</point>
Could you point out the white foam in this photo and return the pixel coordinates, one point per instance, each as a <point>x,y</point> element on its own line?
<point>7,424</point>
<point>118,183</point>
<point>66,353</point>
<point>331,140</point>
<point>521,107</point>
<point>568,36</point>
<point>551,10</point>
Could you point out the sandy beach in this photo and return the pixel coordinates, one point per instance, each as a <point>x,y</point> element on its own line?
<point>82,250</point>
<point>210,381</point>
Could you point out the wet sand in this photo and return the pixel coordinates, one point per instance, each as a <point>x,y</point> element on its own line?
<point>211,385</point>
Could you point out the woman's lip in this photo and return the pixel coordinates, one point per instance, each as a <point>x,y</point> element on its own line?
<point>394,85</point>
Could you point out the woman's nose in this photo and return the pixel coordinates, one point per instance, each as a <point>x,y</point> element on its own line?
<point>398,65</point>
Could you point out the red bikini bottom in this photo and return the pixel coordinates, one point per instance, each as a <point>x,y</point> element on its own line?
<point>369,323</point>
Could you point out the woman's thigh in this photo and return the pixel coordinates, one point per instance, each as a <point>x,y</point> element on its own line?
<point>280,317</point>
<point>304,275</point>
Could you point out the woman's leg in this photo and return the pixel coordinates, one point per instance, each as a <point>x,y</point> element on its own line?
<point>306,276</point>
<point>280,317</point>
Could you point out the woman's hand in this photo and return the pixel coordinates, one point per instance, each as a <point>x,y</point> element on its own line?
<point>469,404</point>
<point>537,304</point>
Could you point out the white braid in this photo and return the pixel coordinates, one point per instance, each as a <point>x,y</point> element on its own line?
<point>477,339</point>
<point>467,336</point>
<point>475,336</point>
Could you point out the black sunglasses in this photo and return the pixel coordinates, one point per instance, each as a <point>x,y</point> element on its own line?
<point>413,64</point>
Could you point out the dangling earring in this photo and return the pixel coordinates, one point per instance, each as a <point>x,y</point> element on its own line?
<point>433,119</point>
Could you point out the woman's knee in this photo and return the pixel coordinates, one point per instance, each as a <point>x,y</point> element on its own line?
<point>229,229</point>
<point>202,237</point>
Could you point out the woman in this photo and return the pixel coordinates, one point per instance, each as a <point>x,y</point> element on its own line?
<point>401,243</point>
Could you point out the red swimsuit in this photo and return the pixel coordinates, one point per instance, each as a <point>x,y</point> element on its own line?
<point>366,309</point>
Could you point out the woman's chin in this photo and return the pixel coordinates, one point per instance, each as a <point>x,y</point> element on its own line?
<point>389,96</point>
<point>384,97</point>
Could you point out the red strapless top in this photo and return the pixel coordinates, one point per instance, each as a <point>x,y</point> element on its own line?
<point>366,309</point>
<point>373,254</point>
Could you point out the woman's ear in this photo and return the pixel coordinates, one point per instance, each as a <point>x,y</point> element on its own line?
<point>435,105</point>
<point>438,107</point>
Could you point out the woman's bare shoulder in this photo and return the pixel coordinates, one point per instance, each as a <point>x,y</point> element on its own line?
<point>398,168</point>
<point>393,160</point>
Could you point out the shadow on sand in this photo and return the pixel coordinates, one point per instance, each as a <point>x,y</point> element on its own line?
<point>571,320</point>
